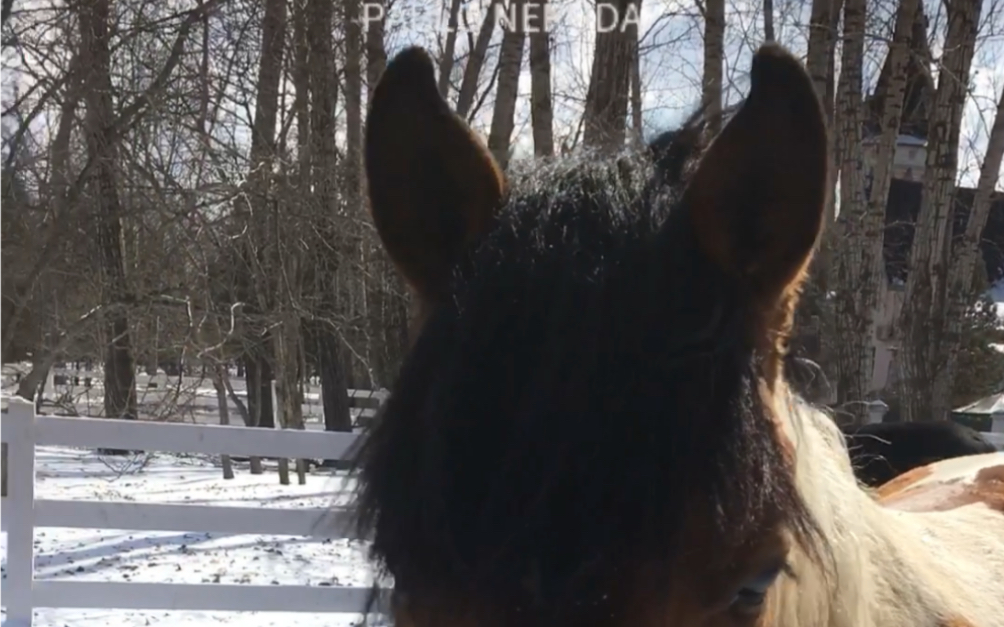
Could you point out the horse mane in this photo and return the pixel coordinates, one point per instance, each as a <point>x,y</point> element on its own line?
<point>553,367</point>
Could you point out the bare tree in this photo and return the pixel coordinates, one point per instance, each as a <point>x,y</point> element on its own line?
<point>714,58</point>
<point>510,64</point>
<point>541,112</point>
<point>861,225</point>
<point>607,98</point>
<point>815,318</point>
<point>119,374</point>
<point>376,54</point>
<point>966,249</point>
<point>475,61</point>
<point>768,20</point>
<point>334,382</point>
<point>254,212</point>
<point>924,367</point>
<point>637,126</point>
<point>853,362</point>
<point>447,58</point>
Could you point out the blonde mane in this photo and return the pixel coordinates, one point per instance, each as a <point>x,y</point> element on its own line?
<point>890,567</point>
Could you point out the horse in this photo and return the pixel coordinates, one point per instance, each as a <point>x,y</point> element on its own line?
<point>592,426</point>
<point>882,451</point>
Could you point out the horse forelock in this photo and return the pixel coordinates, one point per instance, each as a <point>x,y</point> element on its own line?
<point>585,344</point>
<point>592,426</point>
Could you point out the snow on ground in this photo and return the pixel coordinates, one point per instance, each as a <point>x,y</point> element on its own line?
<point>169,557</point>
<point>997,295</point>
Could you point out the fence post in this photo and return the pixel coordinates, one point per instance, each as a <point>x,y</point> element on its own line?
<point>19,426</point>
<point>276,410</point>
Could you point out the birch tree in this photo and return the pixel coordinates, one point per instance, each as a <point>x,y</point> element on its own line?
<point>966,250</point>
<point>924,364</point>
<point>637,123</point>
<point>861,226</point>
<point>852,323</point>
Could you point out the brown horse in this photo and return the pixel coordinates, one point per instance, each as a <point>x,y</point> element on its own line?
<point>882,451</point>
<point>593,427</point>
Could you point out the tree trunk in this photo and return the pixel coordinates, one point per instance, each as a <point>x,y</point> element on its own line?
<point>965,255</point>
<point>475,61</point>
<point>334,388</point>
<point>119,373</point>
<point>353,108</point>
<point>259,370</point>
<point>378,296</point>
<point>334,395</point>
<point>510,63</point>
<point>287,355</point>
<point>820,65</point>
<point>861,271</point>
<point>446,61</point>
<point>541,110</point>
<point>607,97</point>
<point>259,375</point>
<point>925,376</point>
<point>891,117</point>
<point>376,51</point>
<point>854,363</point>
<point>768,20</point>
<point>636,102</point>
<point>301,72</point>
<point>714,57</point>
<point>219,372</point>
<point>815,325</point>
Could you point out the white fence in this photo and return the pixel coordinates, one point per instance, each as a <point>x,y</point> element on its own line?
<point>22,430</point>
<point>193,396</point>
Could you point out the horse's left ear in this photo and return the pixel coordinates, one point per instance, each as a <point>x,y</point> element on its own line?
<point>758,195</point>
<point>433,185</point>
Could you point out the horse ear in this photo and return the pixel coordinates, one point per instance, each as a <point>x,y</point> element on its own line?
<point>433,185</point>
<point>758,195</point>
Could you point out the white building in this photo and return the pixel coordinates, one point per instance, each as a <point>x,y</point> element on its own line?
<point>908,162</point>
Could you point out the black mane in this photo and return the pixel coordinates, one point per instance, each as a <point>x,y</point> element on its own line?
<point>591,374</point>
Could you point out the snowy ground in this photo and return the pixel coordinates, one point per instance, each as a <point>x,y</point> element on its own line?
<point>168,557</point>
<point>997,296</point>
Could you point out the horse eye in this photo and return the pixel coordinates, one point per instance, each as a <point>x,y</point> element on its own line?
<point>748,601</point>
<point>750,597</point>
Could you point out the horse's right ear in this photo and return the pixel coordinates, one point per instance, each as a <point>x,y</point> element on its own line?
<point>433,185</point>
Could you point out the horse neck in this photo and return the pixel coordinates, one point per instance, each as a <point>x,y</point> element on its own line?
<point>883,575</point>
